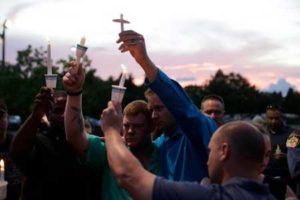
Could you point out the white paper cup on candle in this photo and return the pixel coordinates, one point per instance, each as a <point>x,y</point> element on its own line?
<point>117,93</point>
<point>3,189</point>
<point>51,80</point>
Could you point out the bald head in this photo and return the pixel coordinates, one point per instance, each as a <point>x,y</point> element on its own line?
<point>245,140</point>
<point>236,149</point>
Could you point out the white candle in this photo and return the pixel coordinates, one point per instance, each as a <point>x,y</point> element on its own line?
<point>124,75</point>
<point>1,170</point>
<point>80,50</point>
<point>49,63</point>
<point>82,41</point>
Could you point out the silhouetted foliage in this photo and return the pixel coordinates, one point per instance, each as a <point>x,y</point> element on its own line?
<point>19,83</point>
<point>235,90</point>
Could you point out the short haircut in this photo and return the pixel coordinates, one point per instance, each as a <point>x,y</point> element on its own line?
<point>3,106</point>
<point>274,107</point>
<point>138,107</point>
<point>213,97</point>
<point>245,140</point>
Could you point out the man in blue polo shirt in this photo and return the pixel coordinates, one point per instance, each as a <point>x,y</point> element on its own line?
<point>236,154</point>
<point>186,131</point>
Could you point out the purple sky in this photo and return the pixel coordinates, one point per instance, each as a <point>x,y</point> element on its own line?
<point>189,39</point>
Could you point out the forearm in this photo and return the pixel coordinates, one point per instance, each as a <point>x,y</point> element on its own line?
<point>149,68</point>
<point>126,168</point>
<point>74,124</point>
<point>24,139</point>
<point>120,159</point>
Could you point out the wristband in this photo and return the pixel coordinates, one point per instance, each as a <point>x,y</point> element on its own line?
<point>74,93</point>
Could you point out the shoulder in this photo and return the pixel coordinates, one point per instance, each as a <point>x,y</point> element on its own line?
<point>95,142</point>
<point>96,151</point>
<point>93,138</point>
<point>167,189</point>
<point>159,141</point>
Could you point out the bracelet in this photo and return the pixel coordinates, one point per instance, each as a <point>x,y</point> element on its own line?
<point>74,93</point>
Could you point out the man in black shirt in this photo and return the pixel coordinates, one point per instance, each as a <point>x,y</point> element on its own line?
<point>279,132</point>
<point>47,160</point>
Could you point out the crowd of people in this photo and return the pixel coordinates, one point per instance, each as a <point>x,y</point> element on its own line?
<point>165,148</point>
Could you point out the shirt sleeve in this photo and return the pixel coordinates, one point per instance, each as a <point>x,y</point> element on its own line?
<point>293,158</point>
<point>166,189</point>
<point>198,127</point>
<point>96,153</point>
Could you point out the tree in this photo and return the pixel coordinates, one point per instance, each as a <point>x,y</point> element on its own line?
<point>19,83</point>
<point>196,93</point>
<point>291,102</point>
<point>238,94</point>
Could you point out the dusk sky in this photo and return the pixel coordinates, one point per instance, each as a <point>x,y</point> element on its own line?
<point>188,39</point>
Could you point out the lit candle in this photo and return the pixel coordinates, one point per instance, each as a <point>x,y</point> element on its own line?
<point>80,50</point>
<point>124,75</point>
<point>278,150</point>
<point>49,64</point>
<point>1,170</point>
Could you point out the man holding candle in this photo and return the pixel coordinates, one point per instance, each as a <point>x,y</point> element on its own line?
<point>279,133</point>
<point>9,171</point>
<point>136,131</point>
<point>47,160</point>
<point>236,153</point>
<point>187,131</point>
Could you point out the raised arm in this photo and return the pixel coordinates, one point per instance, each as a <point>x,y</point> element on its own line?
<point>170,92</point>
<point>23,143</point>
<point>126,168</point>
<point>73,83</point>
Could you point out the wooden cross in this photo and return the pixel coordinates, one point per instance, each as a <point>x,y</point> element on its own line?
<point>121,21</point>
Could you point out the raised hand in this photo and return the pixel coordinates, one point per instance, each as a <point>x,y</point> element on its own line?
<point>279,156</point>
<point>134,43</point>
<point>73,80</point>
<point>43,102</point>
<point>111,117</point>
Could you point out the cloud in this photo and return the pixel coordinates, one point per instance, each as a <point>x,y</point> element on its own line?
<point>280,86</point>
<point>13,12</point>
<point>99,48</point>
<point>193,42</point>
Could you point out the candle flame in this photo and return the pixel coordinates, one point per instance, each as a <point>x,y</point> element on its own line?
<point>2,164</point>
<point>73,49</point>
<point>124,68</point>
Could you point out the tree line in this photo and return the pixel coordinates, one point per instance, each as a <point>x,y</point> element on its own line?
<point>20,82</point>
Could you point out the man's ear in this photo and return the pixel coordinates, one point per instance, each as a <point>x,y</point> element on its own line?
<point>225,151</point>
